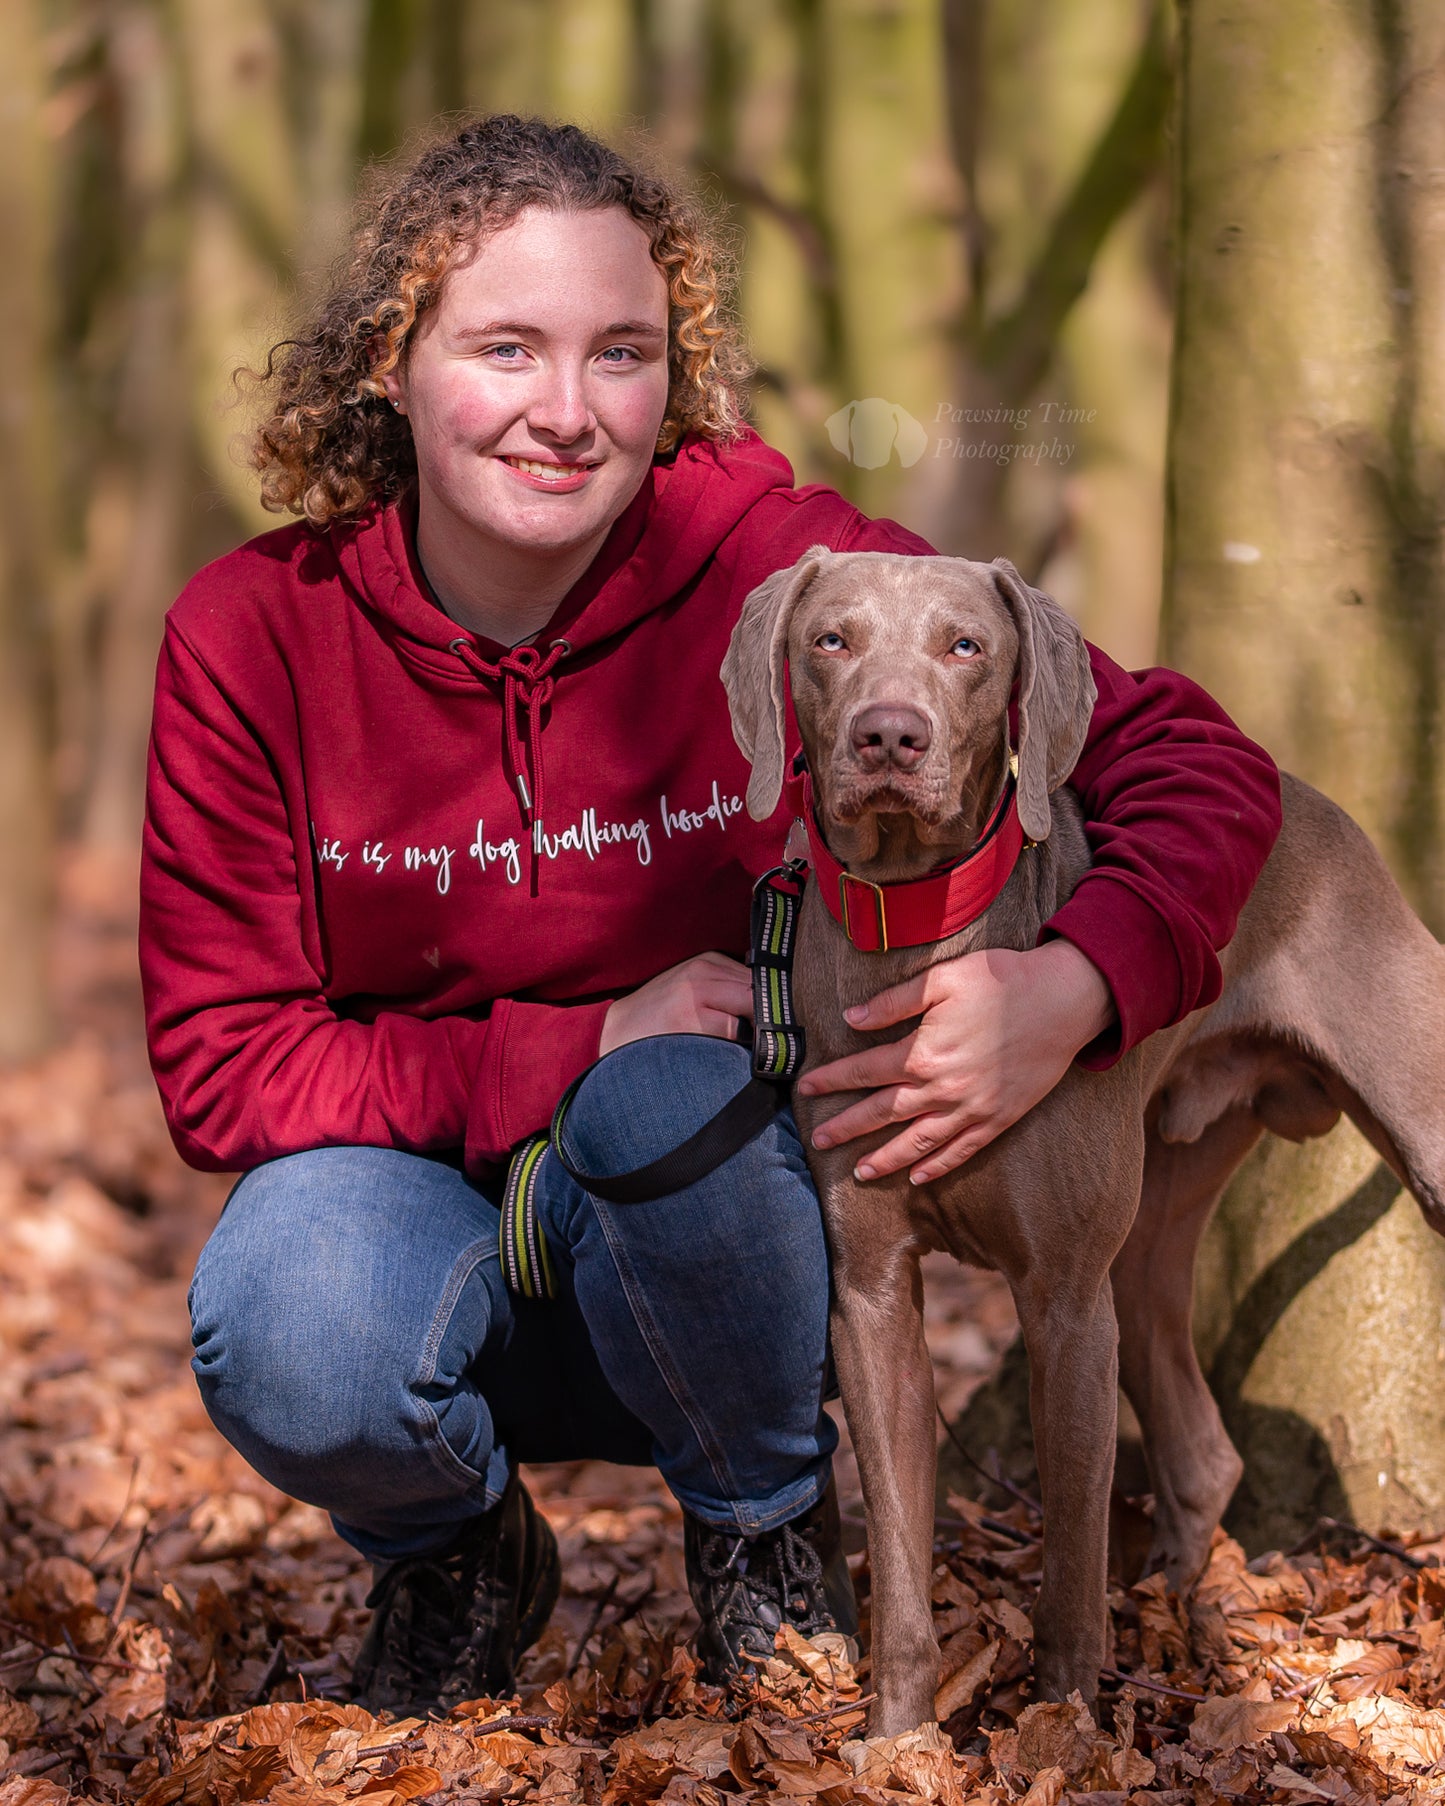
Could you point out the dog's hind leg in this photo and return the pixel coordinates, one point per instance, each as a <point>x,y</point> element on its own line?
<point>1192,1463</point>
<point>886,1378</point>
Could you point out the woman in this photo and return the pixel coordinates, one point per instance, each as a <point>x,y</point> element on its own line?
<point>444,805</point>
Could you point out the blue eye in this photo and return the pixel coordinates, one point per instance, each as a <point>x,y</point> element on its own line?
<point>965,649</point>
<point>831,642</point>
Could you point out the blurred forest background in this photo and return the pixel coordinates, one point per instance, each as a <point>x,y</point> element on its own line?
<point>1151,299</point>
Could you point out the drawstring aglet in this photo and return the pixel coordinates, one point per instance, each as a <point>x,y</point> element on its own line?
<point>524,793</point>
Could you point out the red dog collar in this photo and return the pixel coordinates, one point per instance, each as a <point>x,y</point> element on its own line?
<point>877,917</point>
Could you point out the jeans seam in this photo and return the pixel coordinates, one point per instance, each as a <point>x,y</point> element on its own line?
<point>438,1449</point>
<point>656,1347</point>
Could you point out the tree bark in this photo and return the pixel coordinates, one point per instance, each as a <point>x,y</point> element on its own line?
<point>892,200</point>
<point>1303,587</point>
<point>26,545</point>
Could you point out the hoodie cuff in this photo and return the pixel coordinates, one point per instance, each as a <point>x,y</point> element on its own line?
<point>1130,943</point>
<point>533,1053</point>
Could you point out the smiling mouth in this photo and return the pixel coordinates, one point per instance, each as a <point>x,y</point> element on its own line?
<point>552,473</point>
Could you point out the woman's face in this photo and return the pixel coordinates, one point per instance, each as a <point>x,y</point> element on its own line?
<point>548,348</point>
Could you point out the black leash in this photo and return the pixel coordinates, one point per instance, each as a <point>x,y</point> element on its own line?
<point>778,1050</point>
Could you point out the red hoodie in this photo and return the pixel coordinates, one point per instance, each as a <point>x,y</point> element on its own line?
<point>355,929</point>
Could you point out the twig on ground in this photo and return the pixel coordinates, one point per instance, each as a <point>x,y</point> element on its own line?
<point>841,1710</point>
<point>122,1598</point>
<point>998,1477</point>
<point>1133,1680</point>
<point>68,1655</point>
<point>120,1515</point>
<point>601,1606</point>
<point>1375,1542</point>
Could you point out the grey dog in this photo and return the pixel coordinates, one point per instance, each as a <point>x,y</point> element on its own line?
<point>1093,1204</point>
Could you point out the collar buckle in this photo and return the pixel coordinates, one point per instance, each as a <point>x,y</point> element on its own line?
<point>880,911</point>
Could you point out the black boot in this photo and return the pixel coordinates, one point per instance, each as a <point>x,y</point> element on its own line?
<point>449,1626</point>
<point>745,1587</point>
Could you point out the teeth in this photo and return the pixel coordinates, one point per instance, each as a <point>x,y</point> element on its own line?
<point>552,471</point>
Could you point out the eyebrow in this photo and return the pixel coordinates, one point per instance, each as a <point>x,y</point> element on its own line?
<point>641,329</point>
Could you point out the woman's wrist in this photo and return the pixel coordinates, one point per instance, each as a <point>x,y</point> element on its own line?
<point>1084,999</point>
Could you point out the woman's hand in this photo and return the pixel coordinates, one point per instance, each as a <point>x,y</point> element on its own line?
<point>999,1031</point>
<point>705,995</point>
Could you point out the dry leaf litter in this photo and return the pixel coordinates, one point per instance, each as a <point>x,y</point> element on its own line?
<point>174,1632</point>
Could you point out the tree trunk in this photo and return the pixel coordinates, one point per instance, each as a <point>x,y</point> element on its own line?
<point>893,202</point>
<point>1303,587</point>
<point>26,548</point>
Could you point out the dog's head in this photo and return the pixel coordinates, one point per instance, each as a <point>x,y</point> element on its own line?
<point>901,671</point>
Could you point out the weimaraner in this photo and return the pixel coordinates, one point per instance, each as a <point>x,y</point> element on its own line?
<point>1093,1204</point>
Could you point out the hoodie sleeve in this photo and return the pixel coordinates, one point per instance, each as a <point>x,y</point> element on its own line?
<point>250,1059</point>
<point>1180,809</point>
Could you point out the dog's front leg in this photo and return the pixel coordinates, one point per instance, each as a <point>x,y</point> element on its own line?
<point>1072,1339</point>
<point>886,1378</point>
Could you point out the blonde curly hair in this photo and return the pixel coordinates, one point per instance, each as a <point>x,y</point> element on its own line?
<point>331,445</point>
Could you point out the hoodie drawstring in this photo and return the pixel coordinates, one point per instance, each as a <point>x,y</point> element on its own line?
<point>527,686</point>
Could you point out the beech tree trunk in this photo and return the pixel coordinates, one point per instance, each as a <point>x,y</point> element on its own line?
<point>26,547</point>
<point>1304,588</point>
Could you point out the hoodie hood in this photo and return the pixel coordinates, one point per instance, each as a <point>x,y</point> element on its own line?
<point>683,511</point>
<point>686,507</point>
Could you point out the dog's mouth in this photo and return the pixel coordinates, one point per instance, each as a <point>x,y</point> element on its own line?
<point>892,793</point>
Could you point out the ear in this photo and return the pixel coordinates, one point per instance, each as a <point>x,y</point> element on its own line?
<point>840,429</point>
<point>911,440</point>
<point>753,674</point>
<point>1056,695</point>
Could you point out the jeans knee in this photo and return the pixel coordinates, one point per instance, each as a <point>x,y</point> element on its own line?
<point>328,1345</point>
<point>646,1097</point>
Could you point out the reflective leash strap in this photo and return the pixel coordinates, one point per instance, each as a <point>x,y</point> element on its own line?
<point>526,1263</point>
<point>778,1046</point>
<point>778,1040</point>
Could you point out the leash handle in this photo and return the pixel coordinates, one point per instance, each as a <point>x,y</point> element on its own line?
<point>745,1115</point>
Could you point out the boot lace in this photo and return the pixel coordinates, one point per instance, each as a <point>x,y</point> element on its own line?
<point>768,1579</point>
<point>436,1623</point>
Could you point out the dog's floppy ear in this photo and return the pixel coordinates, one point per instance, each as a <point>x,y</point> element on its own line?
<point>1056,695</point>
<point>753,675</point>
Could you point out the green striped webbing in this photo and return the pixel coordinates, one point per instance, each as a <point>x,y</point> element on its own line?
<point>778,1042</point>
<point>526,1264</point>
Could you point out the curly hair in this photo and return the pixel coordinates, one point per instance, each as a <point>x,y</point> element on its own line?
<point>331,445</point>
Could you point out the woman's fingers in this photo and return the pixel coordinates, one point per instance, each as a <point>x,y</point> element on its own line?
<point>884,1065</point>
<point>888,1104</point>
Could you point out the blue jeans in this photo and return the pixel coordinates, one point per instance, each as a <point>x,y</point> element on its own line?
<point>356,1342</point>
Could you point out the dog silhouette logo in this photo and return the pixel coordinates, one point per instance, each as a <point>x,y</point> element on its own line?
<point>867,433</point>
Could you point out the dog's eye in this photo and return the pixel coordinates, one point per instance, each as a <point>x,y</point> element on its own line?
<point>964,649</point>
<point>831,642</point>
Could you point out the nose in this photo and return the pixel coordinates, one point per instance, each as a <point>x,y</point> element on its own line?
<point>890,733</point>
<point>561,407</point>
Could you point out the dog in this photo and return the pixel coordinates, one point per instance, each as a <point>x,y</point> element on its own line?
<point>1093,1204</point>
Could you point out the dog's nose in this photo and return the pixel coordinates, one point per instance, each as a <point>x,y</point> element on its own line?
<point>890,733</point>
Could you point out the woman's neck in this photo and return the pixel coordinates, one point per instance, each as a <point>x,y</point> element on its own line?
<point>500,594</point>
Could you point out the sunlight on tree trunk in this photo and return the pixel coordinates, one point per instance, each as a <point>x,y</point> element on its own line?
<point>245,223</point>
<point>892,201</point>
<point>27,451</point>
<point>1304,589</point>
<point>788,285</point>
<point>592,53</point>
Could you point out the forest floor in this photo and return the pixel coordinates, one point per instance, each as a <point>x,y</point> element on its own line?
<point>173,1630</point>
